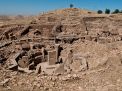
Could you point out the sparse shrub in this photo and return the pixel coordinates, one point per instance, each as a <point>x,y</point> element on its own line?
<point>116,11</point>
<point>107,11</point>
<point>71,5</point>
<point>99,11</point>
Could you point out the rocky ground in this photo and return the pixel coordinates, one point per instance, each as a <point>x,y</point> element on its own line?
<point>105,76</point>
<point>104,79</point>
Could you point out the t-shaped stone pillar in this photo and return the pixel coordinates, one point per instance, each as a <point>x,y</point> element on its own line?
<point>52,59</point>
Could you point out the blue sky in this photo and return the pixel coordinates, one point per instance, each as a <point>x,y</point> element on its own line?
<point>31,7</point>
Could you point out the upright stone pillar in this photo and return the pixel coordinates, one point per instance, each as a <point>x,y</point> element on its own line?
<point>43,53</point>
<point>52,59</point>
<point>57,51</point>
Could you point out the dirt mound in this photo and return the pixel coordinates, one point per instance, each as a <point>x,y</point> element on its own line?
<point>62,50</point>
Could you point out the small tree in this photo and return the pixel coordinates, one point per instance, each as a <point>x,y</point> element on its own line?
<point>107,11</point>
<point>99,11</point>
<point>71,5</point>
<point>116,11</point>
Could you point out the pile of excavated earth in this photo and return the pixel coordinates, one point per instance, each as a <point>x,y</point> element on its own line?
<point>62,50</point>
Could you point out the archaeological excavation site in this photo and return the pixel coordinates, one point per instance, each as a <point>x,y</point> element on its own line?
<point>62,50</point>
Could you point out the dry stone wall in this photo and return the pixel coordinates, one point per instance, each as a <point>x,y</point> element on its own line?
<point>103,28</point>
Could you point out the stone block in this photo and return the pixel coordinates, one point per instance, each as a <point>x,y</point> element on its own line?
<point>60,69</point>
<point>24,62</point>
<point>79,64</point>
<point>52,57</point>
